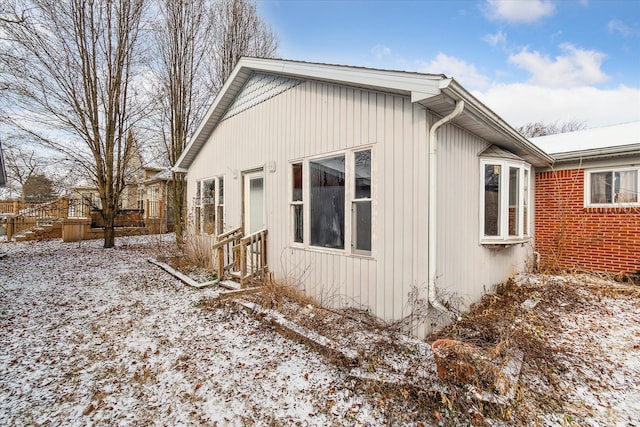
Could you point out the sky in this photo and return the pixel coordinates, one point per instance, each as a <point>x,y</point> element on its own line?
<point>527,60</point>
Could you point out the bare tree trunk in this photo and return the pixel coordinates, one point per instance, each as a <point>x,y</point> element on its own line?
<point>179,192</point>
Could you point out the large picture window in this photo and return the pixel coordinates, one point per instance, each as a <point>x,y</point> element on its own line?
<point>323,191</point>
<point>327,196</point>
<point>504,200</point>
<point>612,187</point>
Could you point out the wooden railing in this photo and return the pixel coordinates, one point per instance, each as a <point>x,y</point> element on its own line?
<point>10,207</point>
<point>244,258</point>
<point>223,256</point>
<point>253,258</point>
<point>34,214</point>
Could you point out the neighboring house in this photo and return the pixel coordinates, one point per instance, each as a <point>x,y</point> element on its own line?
<point>146,188</point>
<point>375,186</point>
<point>587,203</point>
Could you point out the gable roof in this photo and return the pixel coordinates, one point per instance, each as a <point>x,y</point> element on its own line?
<point>435,92</point>
<point>595,143</point>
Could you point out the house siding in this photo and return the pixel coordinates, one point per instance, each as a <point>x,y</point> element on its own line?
<point>314,118</point>
<point>571,236</point>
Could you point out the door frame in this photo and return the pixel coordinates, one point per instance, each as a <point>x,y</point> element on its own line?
<point>246,177</point>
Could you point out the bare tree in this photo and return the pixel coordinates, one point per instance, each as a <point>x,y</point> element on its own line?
<point>21,162</point>
<point>181,42</point>
<point>198,43</point>
<point>238,31</point>
<point>69,66</point>
<point>533,129</point>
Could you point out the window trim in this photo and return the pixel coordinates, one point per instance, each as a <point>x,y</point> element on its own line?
<point>348,249</point>
<point>612,169</point>
<point>218,205</point>
<point>503,237</point>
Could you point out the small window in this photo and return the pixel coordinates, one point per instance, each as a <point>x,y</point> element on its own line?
<point>505,200</point>
<point>361,205</point>
<point>297,208</point>
<point>209,209</point>
<point>612,187</point>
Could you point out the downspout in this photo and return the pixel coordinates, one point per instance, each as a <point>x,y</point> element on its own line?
<point>432,297</point>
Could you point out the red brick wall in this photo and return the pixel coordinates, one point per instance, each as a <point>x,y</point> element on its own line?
<point>572,237</point>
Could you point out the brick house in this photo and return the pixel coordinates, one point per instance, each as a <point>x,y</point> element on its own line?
<point>587,203</point>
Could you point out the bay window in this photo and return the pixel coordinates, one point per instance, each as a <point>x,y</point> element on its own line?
<point>504,200</point>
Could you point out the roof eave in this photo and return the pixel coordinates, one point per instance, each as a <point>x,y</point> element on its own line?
<point>598,153</point>
<point>502,134</point>
<point>396,81</point>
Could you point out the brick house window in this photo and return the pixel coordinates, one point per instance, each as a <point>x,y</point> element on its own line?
<point>611,187</point>
<point>504,200</point>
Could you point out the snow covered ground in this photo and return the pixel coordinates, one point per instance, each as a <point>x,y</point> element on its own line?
<point>94,336</point>
<point>90,336</point>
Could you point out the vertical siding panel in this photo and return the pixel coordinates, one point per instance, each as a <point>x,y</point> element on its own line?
<point>399,208</point>
<point>389,224</point>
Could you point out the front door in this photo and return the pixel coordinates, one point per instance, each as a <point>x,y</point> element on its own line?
<point>254,218</point>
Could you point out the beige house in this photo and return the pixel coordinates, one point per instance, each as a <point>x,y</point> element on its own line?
<point>149,193</point>
<point>393,192</point>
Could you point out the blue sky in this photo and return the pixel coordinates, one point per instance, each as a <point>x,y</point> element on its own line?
<point>528,60</point>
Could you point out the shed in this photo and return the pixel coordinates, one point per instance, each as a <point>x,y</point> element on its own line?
<point>587,202</point>
<point>387,191</point>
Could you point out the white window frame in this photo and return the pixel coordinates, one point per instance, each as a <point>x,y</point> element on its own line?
<point>218,204</point>
<point>587,187</point>
<point>503,236</point>
<point>349,200</point>
<point>294,203</point>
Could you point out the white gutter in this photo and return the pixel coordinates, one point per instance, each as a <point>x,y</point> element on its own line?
<point>432,297</point>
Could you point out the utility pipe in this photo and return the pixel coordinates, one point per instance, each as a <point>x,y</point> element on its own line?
<point>432,297</point>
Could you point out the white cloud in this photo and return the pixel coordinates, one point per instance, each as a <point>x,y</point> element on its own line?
<point>523,103</point>
<point>465,73</point>
<point>380,51</point>
<point>518,11</point>
<point>498,39</point>
<point>576,67</point>
<point>617,26</point>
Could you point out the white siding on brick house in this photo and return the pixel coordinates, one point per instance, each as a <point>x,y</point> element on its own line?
<point>315,118</point>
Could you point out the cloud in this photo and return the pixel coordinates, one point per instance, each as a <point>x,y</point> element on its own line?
<point>575,68</point>
<point>523,103</point>
<point>617,26</point>
<point>518,11</point>
<point>465,73</point>
<point>498,39</point>
<point>380,51</point>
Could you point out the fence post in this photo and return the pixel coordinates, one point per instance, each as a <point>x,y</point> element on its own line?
<point>146,211</point>
<point>9,229</point>
<point>16,207</point>
<point>64,207</point>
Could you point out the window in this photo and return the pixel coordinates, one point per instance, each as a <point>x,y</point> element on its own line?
<point>209,206</point>
<point>323,191</point>
<point>504,200</point>
<point>327,196</point>
<point>297,208</point>
<point>612,187</point>
<point>361,205</point>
